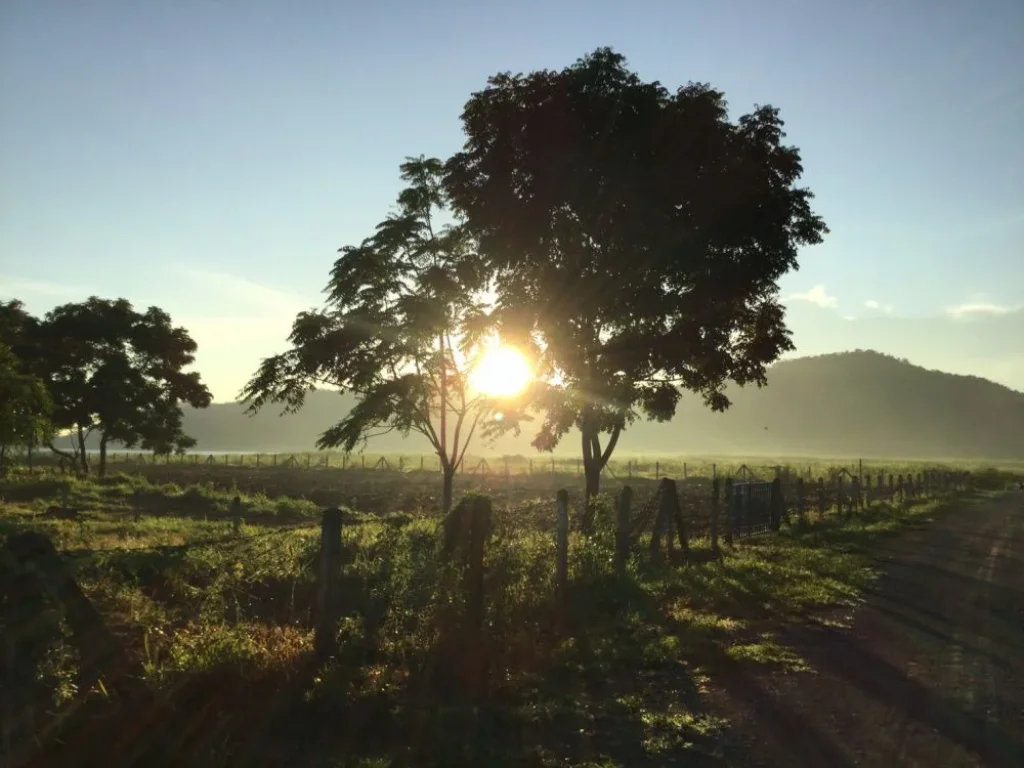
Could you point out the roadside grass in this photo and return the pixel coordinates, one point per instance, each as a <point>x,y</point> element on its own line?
<point>618,673</point>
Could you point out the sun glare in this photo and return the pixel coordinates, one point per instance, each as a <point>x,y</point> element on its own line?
<point>501,372</point>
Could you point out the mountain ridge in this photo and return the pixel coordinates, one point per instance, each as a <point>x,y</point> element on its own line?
<point>847,403</point>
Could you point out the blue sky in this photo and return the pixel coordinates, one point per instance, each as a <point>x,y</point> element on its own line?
<point>210,156</point>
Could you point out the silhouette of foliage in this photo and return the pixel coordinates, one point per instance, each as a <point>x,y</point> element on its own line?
<point>401,329</point>
<point>636,234</point>
<point>25,406</point>
<point>112,370</point>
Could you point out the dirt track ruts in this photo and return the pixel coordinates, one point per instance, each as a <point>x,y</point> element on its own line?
<point>930,673</point>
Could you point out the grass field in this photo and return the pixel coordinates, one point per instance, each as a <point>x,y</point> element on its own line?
<point>620,673</point>
<point>383,489</point>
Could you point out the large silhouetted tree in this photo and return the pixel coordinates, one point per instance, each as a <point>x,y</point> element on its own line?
<point>637,233</point>
<point>400,329</point>
<point>118,372</point>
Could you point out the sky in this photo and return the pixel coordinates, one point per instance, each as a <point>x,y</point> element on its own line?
<point>211,156</point>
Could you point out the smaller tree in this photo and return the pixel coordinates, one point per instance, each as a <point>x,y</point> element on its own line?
<point>25,407</point>
<point>120,373</point>
<point>401,329</point>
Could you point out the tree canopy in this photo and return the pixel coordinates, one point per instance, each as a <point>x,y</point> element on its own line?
<point>636,234</point>
<point>402,325</point>
<point>110,369</point>
<point>25,406</point>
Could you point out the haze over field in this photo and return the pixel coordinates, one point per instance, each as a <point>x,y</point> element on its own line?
<point>855,404</point>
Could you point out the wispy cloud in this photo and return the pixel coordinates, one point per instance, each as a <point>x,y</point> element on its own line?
<point>817,295</point>
<point>982,308</point>
<point>266,298</point>
<point>874,305</point>
<point>15,287</point>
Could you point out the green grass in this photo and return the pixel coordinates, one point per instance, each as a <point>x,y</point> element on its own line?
<point>622,467</point>
<point>616,675</point>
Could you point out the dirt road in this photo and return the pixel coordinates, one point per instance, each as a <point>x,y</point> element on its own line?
<point>931,670</point>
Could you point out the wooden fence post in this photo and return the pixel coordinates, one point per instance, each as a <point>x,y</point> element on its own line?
<point>902,490</point>
<point>715,501</point>
<point>669,515</point>
<point>801,503</point>
<point>100,656</point>
<point>622,531</point>
<point>21,597</point>
<point>479,529</point>
<point>727,507</point>
<point>466,529</point>
<point>329,587</point>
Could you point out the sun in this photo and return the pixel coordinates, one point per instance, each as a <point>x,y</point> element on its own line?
<point>501,372</point>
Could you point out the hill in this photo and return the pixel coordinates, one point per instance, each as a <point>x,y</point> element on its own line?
<point>859,403</point>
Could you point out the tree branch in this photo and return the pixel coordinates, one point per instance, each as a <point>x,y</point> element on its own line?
<point>63,454</point>
<point>611,446</point>
<point>469,438</point>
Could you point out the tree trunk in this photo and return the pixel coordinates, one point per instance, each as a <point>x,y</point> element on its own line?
<point>592,471</point>
<point>595,460</point>
<point>446,493</point>
<point>83,456</point>
<point>103,456</point>
<point>591,465</point>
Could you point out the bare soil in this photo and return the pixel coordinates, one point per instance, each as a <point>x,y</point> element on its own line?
<point>929,671</point>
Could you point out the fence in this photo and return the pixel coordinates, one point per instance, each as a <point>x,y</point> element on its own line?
<point>476,466</point>
<point>663,527</point>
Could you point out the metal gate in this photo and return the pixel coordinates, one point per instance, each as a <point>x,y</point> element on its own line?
<point>751,509</point>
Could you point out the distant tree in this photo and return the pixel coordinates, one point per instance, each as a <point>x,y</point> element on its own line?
<point>120,373</point>
<point>401,329</point>
<point>25,407</point>
<point>637,234</point>
<point>19,332</point>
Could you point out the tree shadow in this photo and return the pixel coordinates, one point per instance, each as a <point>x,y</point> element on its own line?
<point>839,653</point>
